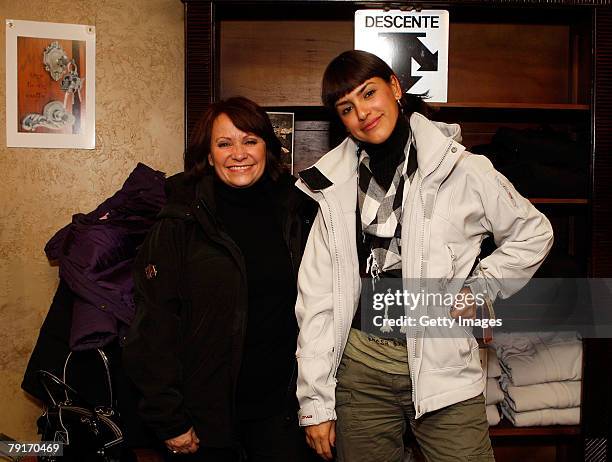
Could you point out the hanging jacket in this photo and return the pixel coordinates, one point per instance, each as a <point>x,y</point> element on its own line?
<point>95,254</point>
<point>185,347</point>
<point>455,200</point>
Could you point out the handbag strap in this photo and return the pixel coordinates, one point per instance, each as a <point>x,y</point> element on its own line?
<point>105,363</point>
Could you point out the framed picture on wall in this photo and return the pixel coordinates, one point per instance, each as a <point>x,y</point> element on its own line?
<point>283,127</point>
<point>50,85</point>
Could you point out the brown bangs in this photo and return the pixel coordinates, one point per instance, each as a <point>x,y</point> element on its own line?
<point>348,70</point>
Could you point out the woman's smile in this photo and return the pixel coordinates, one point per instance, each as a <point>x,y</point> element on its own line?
<point>372,124</point>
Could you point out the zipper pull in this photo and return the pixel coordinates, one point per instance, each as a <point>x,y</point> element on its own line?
<point>386,328</point>
<point>372,268</point>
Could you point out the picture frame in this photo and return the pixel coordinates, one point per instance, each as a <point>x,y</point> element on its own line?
<point>50,85</point>
<point>283,124</point>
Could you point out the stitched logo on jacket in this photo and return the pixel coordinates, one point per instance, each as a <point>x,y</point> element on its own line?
<point>150,271</point>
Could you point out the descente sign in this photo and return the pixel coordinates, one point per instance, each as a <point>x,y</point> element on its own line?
<point>413,43</point>
<point>405,21</point>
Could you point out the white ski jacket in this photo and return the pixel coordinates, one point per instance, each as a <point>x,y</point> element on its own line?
<point>455,200</point>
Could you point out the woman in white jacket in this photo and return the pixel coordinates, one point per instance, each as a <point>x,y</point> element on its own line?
<point>401,201</point>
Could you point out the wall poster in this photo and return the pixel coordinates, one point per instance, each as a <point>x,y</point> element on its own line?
<point>50,85</point>
<point>283,122</point>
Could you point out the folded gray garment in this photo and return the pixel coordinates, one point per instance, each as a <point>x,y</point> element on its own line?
<point>524,342</point>
<point>541,417</point>
<point>539,358</point>
<point>493,367</point>
<point>493,416</point>
<point>494,392</point>
<point>555,395</point>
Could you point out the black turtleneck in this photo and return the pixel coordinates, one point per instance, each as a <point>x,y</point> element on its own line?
<point>386,156</point>
<point>250,216</point>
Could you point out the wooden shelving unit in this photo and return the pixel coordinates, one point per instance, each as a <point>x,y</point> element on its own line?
<point>525,106</point>
<point>516,63</point>
<point>506,429</point>
<point>558,201</point>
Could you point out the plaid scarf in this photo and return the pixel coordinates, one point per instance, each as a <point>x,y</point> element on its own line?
<point>381,212</point>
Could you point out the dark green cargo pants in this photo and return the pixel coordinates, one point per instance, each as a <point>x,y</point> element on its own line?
<point>374,409</point>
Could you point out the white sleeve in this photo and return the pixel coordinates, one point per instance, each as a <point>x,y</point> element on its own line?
<point>523,236</point>
<point>315,316</point>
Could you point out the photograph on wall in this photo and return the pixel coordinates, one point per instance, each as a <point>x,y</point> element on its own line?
<point>283,127</point>
<point>50,85</point>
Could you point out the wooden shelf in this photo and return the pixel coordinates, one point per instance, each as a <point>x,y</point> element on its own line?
<point>460,105</point>
<point>554,200</point>
<point>522,106</point>
<point>505,428</point>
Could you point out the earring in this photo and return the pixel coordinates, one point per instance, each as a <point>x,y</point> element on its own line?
<point>399,103</point>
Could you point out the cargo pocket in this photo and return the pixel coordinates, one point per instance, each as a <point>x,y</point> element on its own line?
<point>343,409</point>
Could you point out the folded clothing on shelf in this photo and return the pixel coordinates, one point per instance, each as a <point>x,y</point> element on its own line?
<point>493,415</point>
<point>551,395</point>
<point>494,392</point>
<point>540,417</point>
<point>493,367</point>
<point>532,358</point>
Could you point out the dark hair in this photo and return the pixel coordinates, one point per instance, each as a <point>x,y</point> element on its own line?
<point>247,116</point>
<point>353,67</point>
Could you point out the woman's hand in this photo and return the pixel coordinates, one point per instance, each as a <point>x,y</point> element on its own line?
<point>465,305</point>
<point>186,443</point>
<point>321,438</point>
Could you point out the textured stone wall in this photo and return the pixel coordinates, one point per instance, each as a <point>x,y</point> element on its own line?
<point>139,118</point>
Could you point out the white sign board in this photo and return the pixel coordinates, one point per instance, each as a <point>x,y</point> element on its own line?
<point>413,43</point>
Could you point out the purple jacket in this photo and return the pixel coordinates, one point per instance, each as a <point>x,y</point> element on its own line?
<point>95,254</point>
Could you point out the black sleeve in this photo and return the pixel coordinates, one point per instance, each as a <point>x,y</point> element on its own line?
<point>150,352</point>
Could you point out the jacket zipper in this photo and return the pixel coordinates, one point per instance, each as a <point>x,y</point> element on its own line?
<point>239,262</point>
<point>340,323</point>
<point>415,395</point>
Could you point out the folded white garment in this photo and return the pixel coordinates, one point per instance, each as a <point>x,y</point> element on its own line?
<point>493,367</point>
<point>569,416</point>
<point>494,392</point>
<point>524,342</point>
<point>493,416</point>
<point>539,358</point>
<point>555,395</point>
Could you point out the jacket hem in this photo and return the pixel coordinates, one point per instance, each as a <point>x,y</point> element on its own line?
<point>449,398</point>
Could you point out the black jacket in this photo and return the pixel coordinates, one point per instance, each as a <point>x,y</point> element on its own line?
<point>185,346</point>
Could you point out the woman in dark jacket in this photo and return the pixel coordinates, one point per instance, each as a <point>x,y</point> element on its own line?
<point>212,348</point>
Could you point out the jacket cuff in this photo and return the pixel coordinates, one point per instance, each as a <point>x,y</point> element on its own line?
<point>173,431</point>
<point>478,285</point>
<point>312,413</point>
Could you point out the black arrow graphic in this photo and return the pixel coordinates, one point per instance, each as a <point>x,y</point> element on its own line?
<point>406,46</point>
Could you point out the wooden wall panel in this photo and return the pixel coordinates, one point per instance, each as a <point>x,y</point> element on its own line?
<point>311,142</point>
<point>279,63</point>
<point>602,156</point>
<point>597,401</point>
<point>508,63</point>
<point>199,62</point>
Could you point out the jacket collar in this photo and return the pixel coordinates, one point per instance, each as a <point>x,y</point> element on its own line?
<point>339,165</point>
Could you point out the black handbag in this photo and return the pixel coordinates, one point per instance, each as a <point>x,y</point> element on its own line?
<point>88,428</point>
